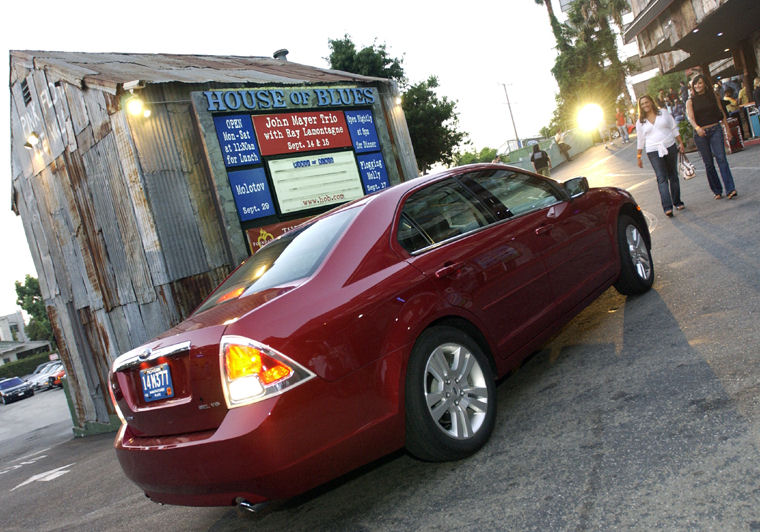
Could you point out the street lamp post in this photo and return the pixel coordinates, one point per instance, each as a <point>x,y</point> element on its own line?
<point>509,106</point>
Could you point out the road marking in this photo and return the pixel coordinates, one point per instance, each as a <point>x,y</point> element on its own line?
<point>46,476</point>
<point>32,458</point>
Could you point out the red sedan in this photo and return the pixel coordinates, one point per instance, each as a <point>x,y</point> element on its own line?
<point>380,324</point>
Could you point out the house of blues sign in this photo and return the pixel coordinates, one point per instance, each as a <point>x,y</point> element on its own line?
<point>288,150</point>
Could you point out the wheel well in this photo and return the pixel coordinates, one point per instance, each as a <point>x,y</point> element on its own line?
<point>472,331</point>
<point>636,214</point>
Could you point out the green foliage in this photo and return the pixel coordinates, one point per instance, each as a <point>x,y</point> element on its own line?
<point>486,155</point>
<point>23,367</point>
<point>685,130</point>
<point>666,82</point>
<point>587,68</point>
<point>369,61</point>
<point>432,120</point>
<point>433,124</point>
<point>29,298</point>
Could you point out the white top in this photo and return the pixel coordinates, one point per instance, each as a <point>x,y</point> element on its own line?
<point>658,136</point>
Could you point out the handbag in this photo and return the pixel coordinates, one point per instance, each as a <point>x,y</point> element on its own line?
<point>685,167</point>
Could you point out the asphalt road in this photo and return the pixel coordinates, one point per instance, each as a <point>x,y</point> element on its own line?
<point>642,414</point>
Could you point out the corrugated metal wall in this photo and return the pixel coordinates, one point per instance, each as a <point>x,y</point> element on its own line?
<point>121,220</point>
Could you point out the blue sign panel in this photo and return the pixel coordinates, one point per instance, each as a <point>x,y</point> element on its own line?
<point>251,192</point>
<point>372,170</point>
<point>361,125</point>
<point>235,134</point>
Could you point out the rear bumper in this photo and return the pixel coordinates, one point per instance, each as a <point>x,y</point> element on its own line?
<point>271,450</point>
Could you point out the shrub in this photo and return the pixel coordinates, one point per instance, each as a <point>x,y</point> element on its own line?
<point>20,368</point>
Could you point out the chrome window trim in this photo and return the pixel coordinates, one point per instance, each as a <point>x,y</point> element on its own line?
<point>137,356</point>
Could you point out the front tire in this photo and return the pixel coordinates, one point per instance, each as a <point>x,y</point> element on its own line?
<point>450,396</point>
<point>636,266</point>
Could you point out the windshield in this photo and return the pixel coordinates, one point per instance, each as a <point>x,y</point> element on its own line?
<point>10,383</point>
<point>293,256</point>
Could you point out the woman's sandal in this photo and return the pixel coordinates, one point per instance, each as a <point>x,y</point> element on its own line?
<point>732,194</point>
<point>718,196</point>
<point>669,213</point>
<point>680,207</point>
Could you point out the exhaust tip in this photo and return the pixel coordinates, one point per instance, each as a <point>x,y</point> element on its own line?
<point>249,507</point>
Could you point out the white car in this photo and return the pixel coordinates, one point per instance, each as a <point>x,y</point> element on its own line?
<point>39,379</point>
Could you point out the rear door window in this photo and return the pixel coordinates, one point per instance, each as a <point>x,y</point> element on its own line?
<point>438,213</point>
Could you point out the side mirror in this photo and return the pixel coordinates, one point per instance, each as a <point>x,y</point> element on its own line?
<point>576,186</point>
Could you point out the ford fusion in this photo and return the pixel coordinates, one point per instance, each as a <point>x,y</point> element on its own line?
<point>379,325</point>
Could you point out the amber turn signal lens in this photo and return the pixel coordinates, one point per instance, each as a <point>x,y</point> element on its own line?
<point>244,361</point>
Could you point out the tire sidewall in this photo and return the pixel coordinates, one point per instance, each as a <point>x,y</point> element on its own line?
<point>630,282</point>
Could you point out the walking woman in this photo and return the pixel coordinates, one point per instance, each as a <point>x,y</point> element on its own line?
<point>657,133</point>
<point>705,113</point>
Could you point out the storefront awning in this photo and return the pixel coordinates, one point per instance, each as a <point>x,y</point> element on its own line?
<point>722,29</point>
<point>645,18</point>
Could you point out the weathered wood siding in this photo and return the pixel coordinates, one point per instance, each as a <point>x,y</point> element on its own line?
<point>121,219</point>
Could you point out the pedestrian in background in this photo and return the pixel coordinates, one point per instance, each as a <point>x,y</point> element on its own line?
<point>657,133</point>
<point>756,92</point>
<point>564,147</point>
<point>705,113</point>
<point>541,161</point>
<point>683,92</point>
<point>622,127</point>
<point>731,104</point>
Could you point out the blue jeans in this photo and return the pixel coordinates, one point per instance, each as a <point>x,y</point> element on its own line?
<point>666,170</point>
<point>709,146</point>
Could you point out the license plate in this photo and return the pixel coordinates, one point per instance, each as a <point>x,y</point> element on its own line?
<point>157,383</point>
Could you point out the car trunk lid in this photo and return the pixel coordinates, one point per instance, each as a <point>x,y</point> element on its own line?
<point>173,384</point>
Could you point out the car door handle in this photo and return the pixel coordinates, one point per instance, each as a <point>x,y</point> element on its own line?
<point>542,230</point>
<point>448,269</point>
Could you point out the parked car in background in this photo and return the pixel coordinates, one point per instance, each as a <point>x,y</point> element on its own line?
<point>14,389</point>
<point>39,380</point>
<point>55,379</point>
<point>381,324</point>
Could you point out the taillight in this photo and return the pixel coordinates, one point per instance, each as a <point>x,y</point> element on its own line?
<point>116,394</point>
<point>252,371</point>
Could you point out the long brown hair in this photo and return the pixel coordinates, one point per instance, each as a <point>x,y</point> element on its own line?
<point>654,106</point>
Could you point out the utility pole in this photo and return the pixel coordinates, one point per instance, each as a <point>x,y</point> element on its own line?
<point>509,106</point>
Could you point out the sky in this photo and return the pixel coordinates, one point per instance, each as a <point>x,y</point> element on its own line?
<point>475,48</point>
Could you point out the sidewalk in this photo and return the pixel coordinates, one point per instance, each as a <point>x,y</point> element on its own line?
<point>745,165</point>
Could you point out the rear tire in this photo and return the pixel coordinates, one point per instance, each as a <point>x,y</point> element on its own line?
<point>636,266</point>
<point>450,396</point>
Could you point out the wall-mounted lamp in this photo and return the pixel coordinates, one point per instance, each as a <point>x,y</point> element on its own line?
<point>136,107</point>
<point>32,140</point>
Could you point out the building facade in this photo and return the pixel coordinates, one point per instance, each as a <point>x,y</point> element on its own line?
<point>143,180</point>
<point>719,37</point>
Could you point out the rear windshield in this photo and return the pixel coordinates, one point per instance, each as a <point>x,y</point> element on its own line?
<point>293,256</point>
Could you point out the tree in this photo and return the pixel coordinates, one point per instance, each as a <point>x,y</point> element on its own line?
<point>486,155</point>
<point>432,120</point>
<point>587,67</point>
<point>369,61</point>
<point>29,298</point>
<point>433,124</point>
